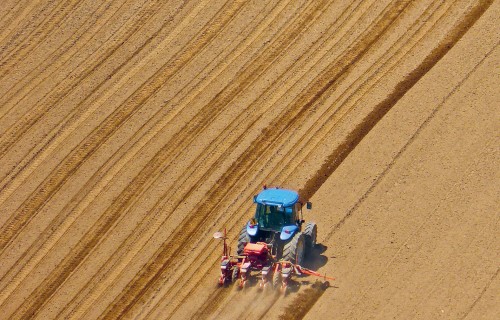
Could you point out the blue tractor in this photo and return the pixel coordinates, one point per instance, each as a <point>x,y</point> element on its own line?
<point>278,222</point>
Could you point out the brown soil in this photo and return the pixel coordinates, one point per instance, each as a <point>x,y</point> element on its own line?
<point>131,131</point>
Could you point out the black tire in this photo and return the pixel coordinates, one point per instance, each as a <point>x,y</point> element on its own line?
<point>243,239</point>
<point>295,248</point>
<point>311,232</point>
<point>276,279</point>
<point>234,274</point>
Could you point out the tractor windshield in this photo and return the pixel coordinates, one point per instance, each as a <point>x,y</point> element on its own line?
<point>273,217</point>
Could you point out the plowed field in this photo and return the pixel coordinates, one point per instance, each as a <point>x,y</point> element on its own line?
<point>132,130</point>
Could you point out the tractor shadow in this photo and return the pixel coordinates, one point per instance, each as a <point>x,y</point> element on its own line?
<point>315,259</point>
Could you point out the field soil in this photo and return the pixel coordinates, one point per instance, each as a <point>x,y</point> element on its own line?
<point>131,131</point>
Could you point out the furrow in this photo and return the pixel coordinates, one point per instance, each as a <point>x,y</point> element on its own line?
<point>8,15</point>
<point>66,217</point>
<point>100,134</point>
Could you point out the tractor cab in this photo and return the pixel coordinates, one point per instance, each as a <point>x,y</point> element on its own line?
<point>277,212</point>
<point>278,222</point>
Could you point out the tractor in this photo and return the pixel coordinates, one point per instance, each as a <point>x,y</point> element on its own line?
<point>273,243</point>
<point>279,223</point>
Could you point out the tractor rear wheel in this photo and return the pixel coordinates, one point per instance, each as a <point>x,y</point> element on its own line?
<point>294,249</point>
<point>310,231</point>
<point>243,239</point>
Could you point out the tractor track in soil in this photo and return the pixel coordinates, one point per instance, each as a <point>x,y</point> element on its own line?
<point>56,58</point>
<point>287,79</point>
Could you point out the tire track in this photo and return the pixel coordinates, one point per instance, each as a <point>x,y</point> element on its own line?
<point>64,218</point>
<point>27,165</point>
<point>90,144</point>
<point>8,13</point>
<point>71,208</point>
<point>63,270</point>
<point>163,259</point>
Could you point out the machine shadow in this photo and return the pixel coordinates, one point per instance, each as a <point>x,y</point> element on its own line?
<point>315,258</point>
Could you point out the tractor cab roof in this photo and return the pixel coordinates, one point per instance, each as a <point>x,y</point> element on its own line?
<point>277,197</point>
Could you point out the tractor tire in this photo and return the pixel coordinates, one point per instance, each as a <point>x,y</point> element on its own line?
<point>294,249</point>
<point>243,239</point>
<point>311,232</point>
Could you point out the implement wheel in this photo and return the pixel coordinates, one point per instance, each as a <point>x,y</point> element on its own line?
<point>235,274</point>
<point>276,279</point>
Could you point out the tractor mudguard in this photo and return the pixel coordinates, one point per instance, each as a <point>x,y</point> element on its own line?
<point>287,232</point>
<point>252,229</point>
